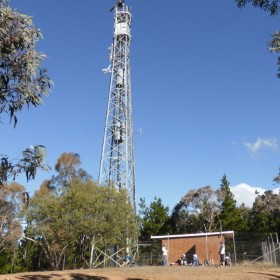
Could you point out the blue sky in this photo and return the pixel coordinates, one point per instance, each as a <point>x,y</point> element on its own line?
<point>204,87</point>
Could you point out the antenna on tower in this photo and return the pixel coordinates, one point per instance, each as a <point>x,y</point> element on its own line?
<point>119,4</point>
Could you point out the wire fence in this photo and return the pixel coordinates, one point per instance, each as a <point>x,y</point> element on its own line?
<point>246,247</point>
<point>271,251</point>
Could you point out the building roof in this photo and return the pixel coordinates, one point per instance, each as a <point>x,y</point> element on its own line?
<point>226,234</point>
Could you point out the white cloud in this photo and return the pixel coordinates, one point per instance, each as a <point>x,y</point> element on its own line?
<point>262,143</point>
<point>244,193</point>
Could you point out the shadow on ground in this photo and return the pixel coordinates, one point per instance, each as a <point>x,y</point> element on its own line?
<point>76,276</point>
<point>72,276</point>
<point>275,276</point>
<point>38,277</point>
<point>135,279</point>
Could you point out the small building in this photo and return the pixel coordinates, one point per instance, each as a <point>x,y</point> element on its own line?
<point>205,245</point>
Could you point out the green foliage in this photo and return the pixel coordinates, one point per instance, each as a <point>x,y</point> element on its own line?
<point>276,179</point>
<point>200,209</point>
<point>271,6</point>
<point>32,159</point>
<point>67,223</point>
<point>30,256</point>
<point>244,216</point>
<point>229,213</point>
<point>4,2</point>
<point>182,220</point>
<point>153,219</point>
<point>23,82</point>
<point>10,260</point>
<point>178,219</point>
<point>265,216</point>
<point>69,168</point>
<point>11,204</point>
<point>10,207</point>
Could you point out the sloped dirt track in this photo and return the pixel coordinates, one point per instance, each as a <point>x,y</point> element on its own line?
<point>153,273</point>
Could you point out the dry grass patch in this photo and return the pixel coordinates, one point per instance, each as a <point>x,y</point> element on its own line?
<point>239,272</point>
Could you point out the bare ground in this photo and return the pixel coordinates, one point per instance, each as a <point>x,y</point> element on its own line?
<point>154,273</point>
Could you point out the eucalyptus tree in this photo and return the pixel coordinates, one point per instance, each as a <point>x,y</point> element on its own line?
<point>47,225</point>
<point>66,224</point>
<point>11,203</point>
<point>23,83</point>
<point>200,208</point>
<point>183,221</point>
<point>271,6</point>
<point>104,217</point>
<point>12,200</point>
<point>265,214</point>
<point>68,168</point>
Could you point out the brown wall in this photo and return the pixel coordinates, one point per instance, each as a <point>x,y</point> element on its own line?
<point>191,245</point>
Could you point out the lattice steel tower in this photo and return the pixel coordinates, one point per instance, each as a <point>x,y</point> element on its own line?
<point>117,159</point>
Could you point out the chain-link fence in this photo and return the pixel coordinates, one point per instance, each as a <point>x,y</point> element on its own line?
<point>149,253</point>
<point>255,247</point>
